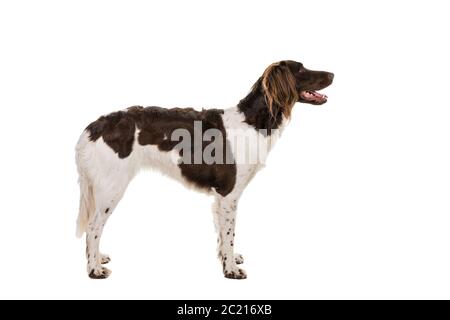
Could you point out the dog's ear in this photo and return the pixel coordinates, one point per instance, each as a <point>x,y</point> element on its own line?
<point>279,87</point>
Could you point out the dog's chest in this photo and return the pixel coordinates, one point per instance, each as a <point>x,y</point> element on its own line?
<point>249,146</point>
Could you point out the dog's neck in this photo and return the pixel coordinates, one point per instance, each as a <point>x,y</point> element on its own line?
<point>256,111</point>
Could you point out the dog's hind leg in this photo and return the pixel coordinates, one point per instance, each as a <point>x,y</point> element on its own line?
<point>106,200</point>
<point>224,210</point>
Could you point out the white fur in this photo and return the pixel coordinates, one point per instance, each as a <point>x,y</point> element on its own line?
<point>104,178</point>
<point>235,125</point>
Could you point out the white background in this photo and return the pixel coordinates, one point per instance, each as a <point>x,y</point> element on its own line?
<point>354,201</point>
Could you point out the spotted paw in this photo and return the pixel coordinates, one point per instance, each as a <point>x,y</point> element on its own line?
<point>104,259</point>
<point>99,273</point>
<point>238,258</point>
<point>235,273</point>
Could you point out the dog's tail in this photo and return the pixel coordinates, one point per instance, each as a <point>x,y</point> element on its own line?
<point>87,203</point>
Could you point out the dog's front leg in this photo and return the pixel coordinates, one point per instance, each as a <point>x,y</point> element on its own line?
<point>225,218</point>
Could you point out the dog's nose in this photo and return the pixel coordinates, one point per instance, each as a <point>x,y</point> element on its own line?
<point>330,76</point>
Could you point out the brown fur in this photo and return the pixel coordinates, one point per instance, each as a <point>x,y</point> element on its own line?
<point>279,86</point>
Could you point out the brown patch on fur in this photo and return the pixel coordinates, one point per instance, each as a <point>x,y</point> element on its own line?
<point>156,126</point>
<point>117,131</point>
<point>279,86</point>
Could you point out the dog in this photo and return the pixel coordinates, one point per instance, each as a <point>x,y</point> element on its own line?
<point>112,150</point>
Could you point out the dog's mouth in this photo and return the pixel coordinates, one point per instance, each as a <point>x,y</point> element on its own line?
<point>312,97</point>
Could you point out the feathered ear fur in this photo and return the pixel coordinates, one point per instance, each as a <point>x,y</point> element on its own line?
<point>278,84</point>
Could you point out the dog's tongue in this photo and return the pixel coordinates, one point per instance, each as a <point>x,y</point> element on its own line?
<point>313,96</point>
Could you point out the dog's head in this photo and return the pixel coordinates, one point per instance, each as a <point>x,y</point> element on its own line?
<point>287,82</point>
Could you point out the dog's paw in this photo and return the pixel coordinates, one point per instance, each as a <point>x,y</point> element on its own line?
<point>235,273</point>
<point>99,272</point>
<point>238,258</point>
<point>104,259</point>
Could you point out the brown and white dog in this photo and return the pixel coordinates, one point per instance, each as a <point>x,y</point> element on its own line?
<point>202,149</point>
